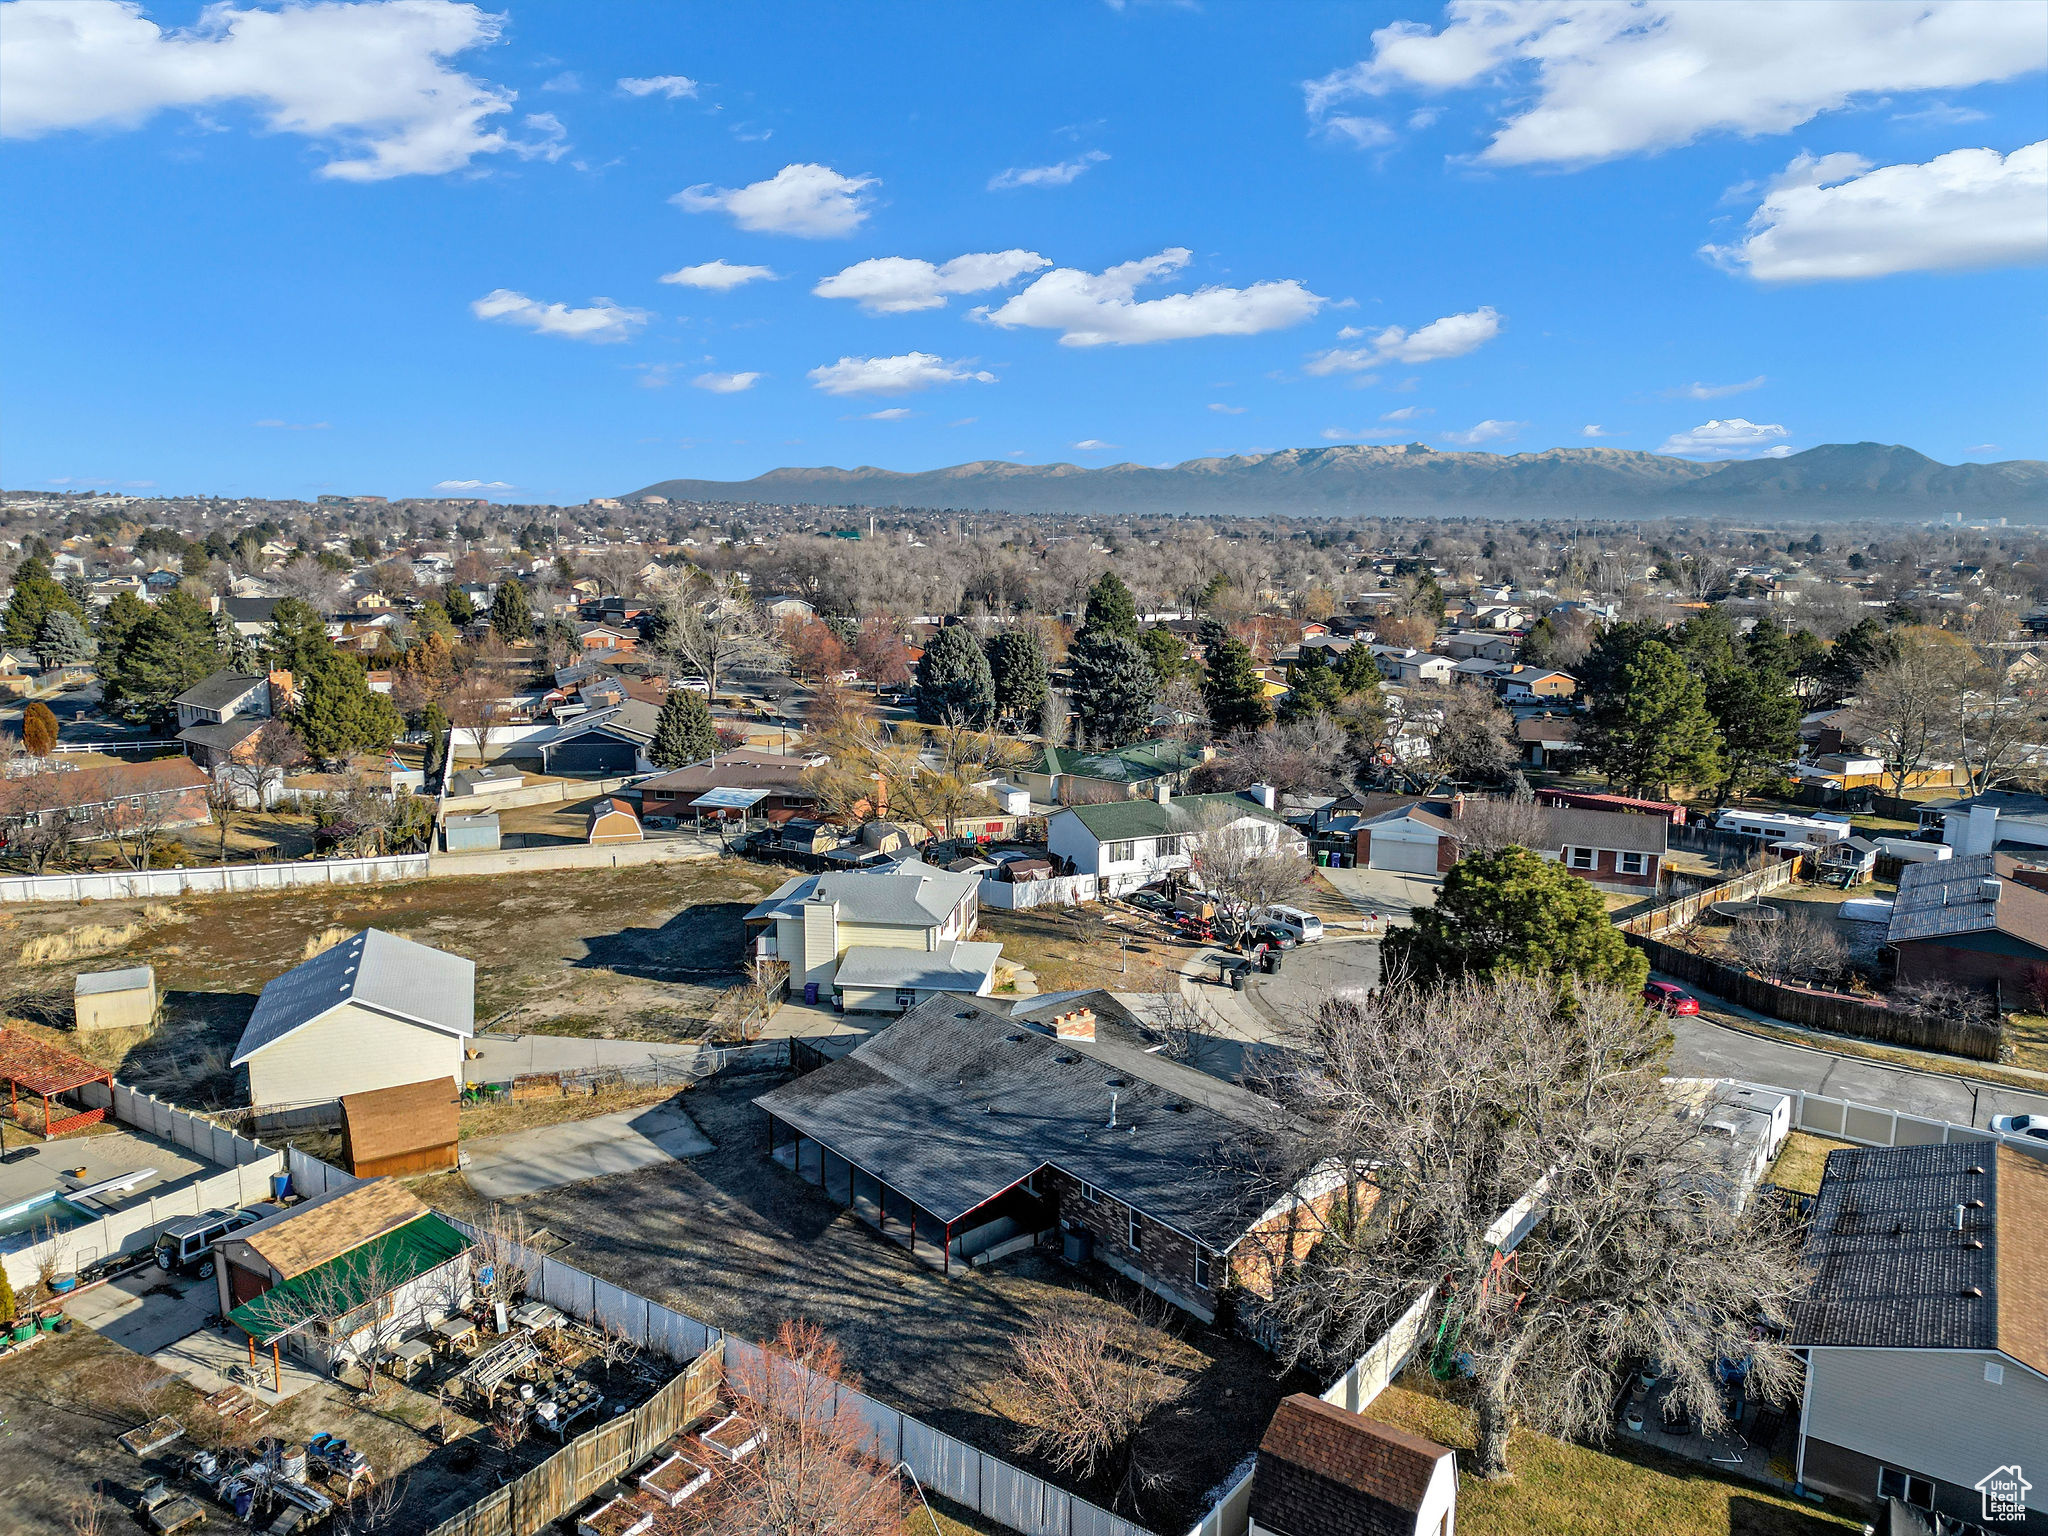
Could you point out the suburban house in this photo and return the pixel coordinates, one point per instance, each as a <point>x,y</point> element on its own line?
<point>1323,1470</point>
<point>674,795</point>
<point>901,928</point>
<point>115,798</point>
<point>1484,644</point>
<point>1998,818</point>
<point>217,716</point>
<point>1970,919</point>
<point>373,1011</point>
<point>404,1129</point>
<point>1925,1333</point>
<point>607,637</point>
<point>1129,843</point>
<point>1612,849</point>
<point>963,1132</point>
<point>330,1279</point>
<point>1531,685</point>
<point>1544,740</point>
<point>1062,776</point>
<point>611,741</point>
<point>1405,664</point>
<point>251,616</point>
<point>612,821</point>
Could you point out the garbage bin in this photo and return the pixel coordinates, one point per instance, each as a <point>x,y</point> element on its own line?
<point>1237,979</point>
<point>1273,957</point>
<point>811,993</point>
<point>1322,858</point>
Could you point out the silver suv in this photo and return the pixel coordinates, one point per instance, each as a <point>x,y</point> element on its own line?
<point>185,1246</point>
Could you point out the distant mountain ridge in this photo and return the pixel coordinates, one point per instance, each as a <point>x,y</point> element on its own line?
<point>1874,479</point>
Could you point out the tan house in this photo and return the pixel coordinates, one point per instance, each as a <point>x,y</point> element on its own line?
<point>372,1012</point>
<point>813,921</point>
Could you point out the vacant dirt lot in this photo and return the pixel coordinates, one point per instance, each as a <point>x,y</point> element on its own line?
<point>740,1242</point>
<point>636,953</point>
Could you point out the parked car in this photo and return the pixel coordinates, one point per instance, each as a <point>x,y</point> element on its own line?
<point>185,1247</point>
<point>1305,926</point>
<point>1272,935</point>
<point>2035,1126</point>
<point>1149,901</point>
<point>1670,999</point>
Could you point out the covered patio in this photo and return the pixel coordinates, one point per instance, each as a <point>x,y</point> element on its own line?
<point>1009,1215</point>
<point>47,1073</point>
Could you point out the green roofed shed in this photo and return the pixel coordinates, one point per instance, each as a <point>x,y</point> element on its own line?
<point>396,1259</point>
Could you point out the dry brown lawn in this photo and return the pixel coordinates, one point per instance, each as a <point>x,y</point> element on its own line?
<point>1800,1162</point>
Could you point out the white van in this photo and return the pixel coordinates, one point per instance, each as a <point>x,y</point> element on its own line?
<point>1305,926</point>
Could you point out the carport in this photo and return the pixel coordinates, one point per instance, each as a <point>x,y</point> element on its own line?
<point>46,1072</point>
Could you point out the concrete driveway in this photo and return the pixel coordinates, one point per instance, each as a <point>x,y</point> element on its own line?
<point>146,1311</point>
<point>1388,892</point>
<point>526,1162</point>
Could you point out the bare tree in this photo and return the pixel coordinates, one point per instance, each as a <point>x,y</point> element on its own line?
<point>88,1514</point>
<point>1489,825</point>
<point>1800,946</point>
<point>711,626</point>
<point>612,1346</point>
<point>1965,1009</point>
<point>927,775</point>
<point>352,1303</point>
<point>1246,867</point>
<point>1310,756</point>
<point>1470,734</point>
<point>474,702</point>
<point>1628,1254</point>
<point>372,1507</point>
<point>1904,706</point>
<point>1999,716</point>
<point>503,1263</point>
<point>814,1473</point>
<point>1091,1381</point>
<point>37,811</point>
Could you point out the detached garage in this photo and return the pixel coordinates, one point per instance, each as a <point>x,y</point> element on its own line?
<point>604,745</point>
<point>1410,840</point>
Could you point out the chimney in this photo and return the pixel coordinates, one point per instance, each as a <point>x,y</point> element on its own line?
<point>1458,805</point>
<point>1981,832</point>
<point>280,691</point>
<point>1078,1025</point>
<point>1162,791</point>
<point>1265,794</point>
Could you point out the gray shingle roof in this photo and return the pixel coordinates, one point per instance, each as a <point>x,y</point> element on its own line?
<point>1945,898</point>
<point>1890,1270</point>
<point>225,735</point>
<point>950,967</point>
<point>376,970</point>
<point>1623,831</point>
<point>910,894</point>
<point>954,1103</point>
<point>219,690</point>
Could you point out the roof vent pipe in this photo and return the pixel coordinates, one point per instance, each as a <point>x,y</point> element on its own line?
<point>1959,1218</point>
<point>1112,1111</point>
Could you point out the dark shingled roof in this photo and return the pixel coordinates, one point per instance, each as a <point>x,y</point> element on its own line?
<point>1890,1269</point>
<point>1973,894</point>
<point>955,1103</point>
<point>219,690</point>
<point>1325,1472</point>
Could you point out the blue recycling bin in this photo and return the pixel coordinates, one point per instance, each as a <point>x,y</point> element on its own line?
<point>811,993</point>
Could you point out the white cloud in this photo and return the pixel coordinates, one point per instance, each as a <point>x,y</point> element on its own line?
<point>726,383</point>
<point>895,285</point>
<point>1358,132</point>
<point>893,413</point>
<point>552,143</point>
<point>1939,114</point>
<point>1982,448</point>
<point>368,81</point>
<point>1093,445</point>
<point>1342,434</point>
<point>568,82</point>
<point>474,485</point>
<point>295,426</point>
<point>1835,217</point>
<point>1594,431</point>
<point>1699,391</point>
<point>1092,309</point>
<point>1408,413</point>
<point>1059,175</point>
<point>719,276</point>
<point>813,201</point>
<point>602,321</point>
<point>674,87</point>
<point>1730,439</point>
<point>1591,80</point>
<point>1452,336</point>
<point>892,375</point>
<point>1485,432</point>
<point>1226,410</point>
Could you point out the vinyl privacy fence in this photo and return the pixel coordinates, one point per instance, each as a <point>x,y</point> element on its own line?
<point>212,880</point>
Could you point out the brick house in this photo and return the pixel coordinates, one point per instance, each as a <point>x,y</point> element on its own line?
<point>674,794</point>
<point>966,1134</point>
<point>1974,920</point>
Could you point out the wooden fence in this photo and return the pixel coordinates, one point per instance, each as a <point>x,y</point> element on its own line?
<point>575,1473</point>
<point>1686,911</point>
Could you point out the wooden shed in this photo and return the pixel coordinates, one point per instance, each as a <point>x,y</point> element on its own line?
<point>123,999</point>
<point>390,1132</point>
<point>613,821</point>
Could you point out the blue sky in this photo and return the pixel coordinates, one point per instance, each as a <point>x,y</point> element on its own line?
<point>395,248</point>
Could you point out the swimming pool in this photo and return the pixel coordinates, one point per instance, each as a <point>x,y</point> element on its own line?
<point>24,1222</point>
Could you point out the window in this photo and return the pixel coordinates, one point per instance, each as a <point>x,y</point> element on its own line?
<point>1633,863</point>
<point>906,997</point>
<point>1092,1195</point>
<point>1137,1233</point>
<point>1119,853</point>
<point>1031,1183</point>
<point>1994,1373</point>
<point>1894,1484</point>
<point>1204,1277</point>
<point>1582,858</point>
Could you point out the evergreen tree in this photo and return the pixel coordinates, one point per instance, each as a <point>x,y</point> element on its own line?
<point>1016,664</point>
<point>457,604</point>
<point>1758,716</point>
<point>1114,687</point>
<point>1313,687</point>
<point>38,729</point>
<point>1358,672</point>
<point>35,598</point>
<point>1111,607</point>
<point>434,721</point>
<point>1653,730</point>
<point>1863,647</point>
<point>1210,632</point>
<point>237,651</point>
<point>432,619</point>
<point>336,713</point>
<point>64,638</point>
<point>1614,648</point>
<point>117,622</point>
<point>78,587</point>
<point>1233,690</point>
<point>1767,645</point>
<point>1168,656</point>
<point>298,641</point>
<point>683,732</point>
<point>954,686</point>
<point>155,656</point>
<point>512,613</point>
<point>1516,911</point>
<point>1707,639</point>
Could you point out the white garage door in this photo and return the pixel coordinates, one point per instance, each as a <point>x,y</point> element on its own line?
<point>1412,858</point>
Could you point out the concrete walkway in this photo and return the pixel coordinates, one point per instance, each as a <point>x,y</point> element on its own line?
<point>526,1162</point>
<point>500,1058</point>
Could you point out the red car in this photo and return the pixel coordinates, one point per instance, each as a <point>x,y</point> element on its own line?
<point>1664,996</point>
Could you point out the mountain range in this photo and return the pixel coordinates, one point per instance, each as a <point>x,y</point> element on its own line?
<point>1838,479</point>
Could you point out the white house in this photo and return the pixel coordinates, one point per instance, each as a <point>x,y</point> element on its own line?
<point>1129,843</point>
<point>1399,664</point>
<point>372,1012</point>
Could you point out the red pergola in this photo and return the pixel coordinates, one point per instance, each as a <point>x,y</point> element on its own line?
<point>26,1064</point>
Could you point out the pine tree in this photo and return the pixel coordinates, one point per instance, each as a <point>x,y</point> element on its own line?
<point>1654,730</point>
<point>1111,607</point>
<point>148,658</point>
<point>432,619</point>
<point>336,713</point>
<point>683,732</point>
<point>1233,689</point>
<point>36,597</point>
<point>1114,687</point>
<point>298,641</point>
<point>1166,652</point>
<point>1016,664</point>
<point>1357,671</point>
<point>512,613</point>
<point>1313,687</point>
<point>64,638</point>
<point>954,686</point>
<point>458,606</point>
<point>1758,716</point>
<point>1515,911</point>
<point>434,721</point>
